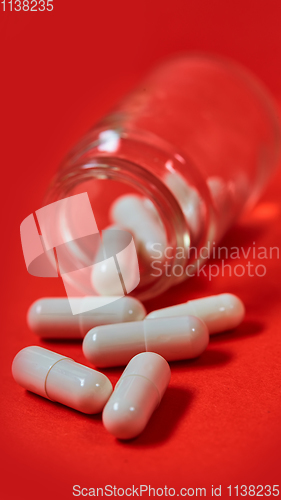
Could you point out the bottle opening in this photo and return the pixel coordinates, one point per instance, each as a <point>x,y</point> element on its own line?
<point>125,197</point>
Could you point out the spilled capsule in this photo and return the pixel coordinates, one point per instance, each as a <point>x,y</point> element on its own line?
<point>219,312</point>
<point>61,380</point>
<point>53,318</point>
<point>183,337</point>
<point>136,395</point>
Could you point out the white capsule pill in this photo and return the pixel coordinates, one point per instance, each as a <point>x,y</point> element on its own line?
<point>105,276</point>
<point>219,193</point>
<point>136,395</point>
<point>136,214</point>
<point>219,312</point>
<point>108,279</point>
<point>173,338</point>
<point>61,380</point>
<point>189,199</point>
<point>53,318</point>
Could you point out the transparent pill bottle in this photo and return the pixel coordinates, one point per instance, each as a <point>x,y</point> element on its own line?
<point>199,138</point>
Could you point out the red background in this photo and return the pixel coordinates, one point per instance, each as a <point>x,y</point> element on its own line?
<point>219,422</point>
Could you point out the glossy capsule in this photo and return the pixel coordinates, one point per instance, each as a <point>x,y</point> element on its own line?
<point>184,337</point>
<point>108,279</point>
<point>139,216</point>
<point>136,395</point>
<point>189,199</point>
<point>53,318</point>
<point>219,312</point>
<point>60,379</point>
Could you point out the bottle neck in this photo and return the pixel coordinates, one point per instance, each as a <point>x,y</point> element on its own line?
<point>110,163</point>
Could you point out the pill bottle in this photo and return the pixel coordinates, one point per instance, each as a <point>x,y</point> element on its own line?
<point>197,139</point>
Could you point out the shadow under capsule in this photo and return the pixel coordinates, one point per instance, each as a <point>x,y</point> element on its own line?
<point>163,423</point>
<point>248,328</point>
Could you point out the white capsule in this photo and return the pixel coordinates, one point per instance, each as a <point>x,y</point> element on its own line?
<point>137,215</point>
<point>219,312</point>
<point>53,318</point>
<point>136,395</point>
<point>189,199</point>
<point>108,279</point>
<point>173,338</point>
<point>105,277</point>
<point>219,193</point>
<point>61,380</point>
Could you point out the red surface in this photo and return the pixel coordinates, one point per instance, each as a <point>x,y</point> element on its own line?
<point>219,422</point>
